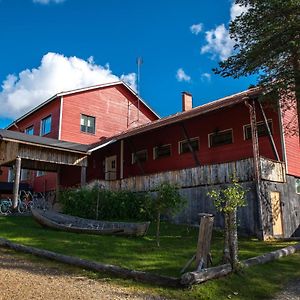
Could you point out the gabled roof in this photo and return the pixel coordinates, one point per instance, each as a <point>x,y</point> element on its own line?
<point>94,87</point>
<point>179,117</point>
<point>23,138</point>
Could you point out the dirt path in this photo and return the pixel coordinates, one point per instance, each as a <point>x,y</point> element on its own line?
<point>23,279</point>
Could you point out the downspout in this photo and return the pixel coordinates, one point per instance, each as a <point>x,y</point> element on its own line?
<point>256,163</point>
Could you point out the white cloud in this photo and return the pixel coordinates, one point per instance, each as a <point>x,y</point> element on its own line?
<point>206,77</point>
<point>218,41</point>
<point>182,76</point>
<point>56,73</point>
<point>196,28</point>
<point>48,1</point>
<point>236,10</point>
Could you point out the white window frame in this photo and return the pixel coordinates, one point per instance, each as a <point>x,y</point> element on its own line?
<point>297,182</point>
<point>29,128</point>
<point>165,145</point>
<point>41,126</point>
<point>187,141</point>
<point>87,116</point>
<point>220,131</point>
<point>133,154</point>
<point>40,173</point>
<point>270,122</point>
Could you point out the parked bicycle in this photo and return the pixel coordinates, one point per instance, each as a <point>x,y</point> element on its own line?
<point>7,205</point>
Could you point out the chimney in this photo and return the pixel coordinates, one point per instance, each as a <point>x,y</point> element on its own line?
<point>187,101</point>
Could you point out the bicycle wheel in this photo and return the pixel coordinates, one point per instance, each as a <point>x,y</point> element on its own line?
<point>22,207</point>
<point>4,208</point>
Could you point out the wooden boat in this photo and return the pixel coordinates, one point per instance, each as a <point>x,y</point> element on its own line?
<point>55,220</point>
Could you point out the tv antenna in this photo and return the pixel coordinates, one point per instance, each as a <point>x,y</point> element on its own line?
<point>139,62</point>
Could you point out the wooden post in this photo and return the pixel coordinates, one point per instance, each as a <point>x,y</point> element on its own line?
<point>16,182</point>
<point>204,239</point>
<point>57,184</point>
<point>83,176</point>
<point>122,160</point>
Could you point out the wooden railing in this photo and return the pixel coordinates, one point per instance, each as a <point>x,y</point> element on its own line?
<point>201,176</point>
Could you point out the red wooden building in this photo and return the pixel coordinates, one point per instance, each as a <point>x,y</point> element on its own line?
<point>129,146</point>
<point>85,116</point>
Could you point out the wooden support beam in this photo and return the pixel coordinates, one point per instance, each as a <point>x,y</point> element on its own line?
<point>16,182</point>
<point>57,184</point>
<point>256,162</point>
<point>186,136</point>
<point>122,159</point>
<point>83,176</point>
<point>269,132</point>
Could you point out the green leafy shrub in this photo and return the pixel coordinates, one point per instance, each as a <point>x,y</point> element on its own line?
<point>112,205</point>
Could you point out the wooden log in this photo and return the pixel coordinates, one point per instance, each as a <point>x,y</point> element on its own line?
<point>95,266</point>
<point>191,278</point>
<point>204,239</point>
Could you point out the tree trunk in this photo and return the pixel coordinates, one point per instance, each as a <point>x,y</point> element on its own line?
<point>233,240</point>
<point>158,229</point>
<point>226,255</point>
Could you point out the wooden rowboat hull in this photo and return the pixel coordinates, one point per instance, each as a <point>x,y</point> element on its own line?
<point>69,223</point>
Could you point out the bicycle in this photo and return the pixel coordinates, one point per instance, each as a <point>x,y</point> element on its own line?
<point>6,206</point>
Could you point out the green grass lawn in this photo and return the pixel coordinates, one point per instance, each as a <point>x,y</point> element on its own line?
<point>178,244</point>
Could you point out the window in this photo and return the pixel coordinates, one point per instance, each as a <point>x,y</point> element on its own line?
<point>46,125</point>
<point>161,151</point>
<point>40,173</point>
<point>24,174</point>
<point>261,130</point>
<point>297,186</point>
<point>139,156</point>
<point>29,130</point>
<point>220,138</point>
<point>11,175</point>
<point>87,124</point>
<point>184,145</point>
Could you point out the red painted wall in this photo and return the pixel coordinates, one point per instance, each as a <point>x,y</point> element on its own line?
<point>35,118</point>
<point>291,137</point>
<point>233,117</point>
<point>114,108</point>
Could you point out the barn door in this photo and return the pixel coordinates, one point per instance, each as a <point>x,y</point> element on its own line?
<point>276,214</point>
<point>111,168</point>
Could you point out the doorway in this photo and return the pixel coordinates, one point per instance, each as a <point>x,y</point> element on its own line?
<point>111,168</point>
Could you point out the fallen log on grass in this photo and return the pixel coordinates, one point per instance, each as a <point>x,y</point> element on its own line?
<point>191,278</point>
<point>95,266</point>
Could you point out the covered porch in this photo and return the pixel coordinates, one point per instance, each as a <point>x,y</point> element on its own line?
<point>19,150</point>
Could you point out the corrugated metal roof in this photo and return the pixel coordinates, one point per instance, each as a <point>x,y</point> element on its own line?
<point>179,117</point>
<point>23,138</point>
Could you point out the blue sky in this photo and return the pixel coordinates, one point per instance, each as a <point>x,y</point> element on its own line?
<point>52,45</point>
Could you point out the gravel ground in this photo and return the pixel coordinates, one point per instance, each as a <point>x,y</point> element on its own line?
<point>291,292</point>
<point>24,279</point>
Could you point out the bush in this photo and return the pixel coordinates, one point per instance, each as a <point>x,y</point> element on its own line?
<point>112,205</point>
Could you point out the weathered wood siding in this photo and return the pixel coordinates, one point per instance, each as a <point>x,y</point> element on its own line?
<point>203,175</point>
<point>272,170</point>
<point>198,176</point>
<point>290,206</point>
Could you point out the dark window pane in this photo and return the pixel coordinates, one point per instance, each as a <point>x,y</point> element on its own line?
<point>139,156</point>
<point>162,151</point>
<point>87,124</point>
<point>221,138</point>
<point>261,130</point>
<point>46,125</point>
<point>184,146</point>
